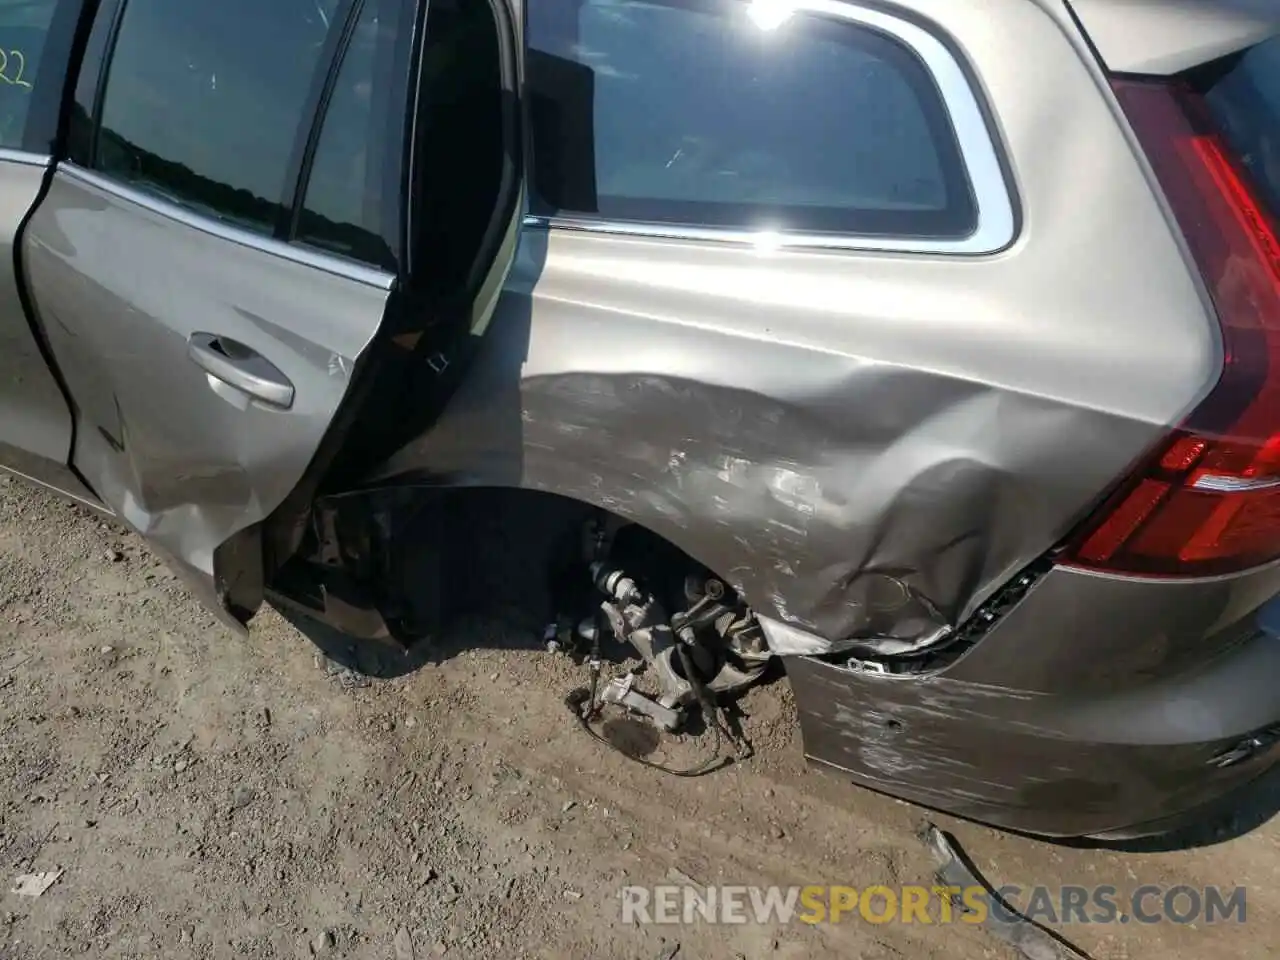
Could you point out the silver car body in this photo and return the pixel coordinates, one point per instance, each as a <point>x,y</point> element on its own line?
<point>866,442</point>
<point>36,423</point>
<point>121,283</point>
<point>867,437</point>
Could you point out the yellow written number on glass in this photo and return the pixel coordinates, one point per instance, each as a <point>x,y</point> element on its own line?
<point>13,64</point>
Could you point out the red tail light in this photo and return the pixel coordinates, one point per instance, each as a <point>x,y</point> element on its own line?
<point>1208,502</point>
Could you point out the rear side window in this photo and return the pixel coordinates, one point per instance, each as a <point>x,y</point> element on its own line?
<point>1243,94</point>
<point>204,101</point>
<point>694,112</point>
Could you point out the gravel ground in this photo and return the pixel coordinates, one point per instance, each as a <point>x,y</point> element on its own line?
<point>213,796</point>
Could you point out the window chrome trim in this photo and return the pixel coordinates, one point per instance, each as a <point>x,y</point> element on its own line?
<point>23,157</point>
<point>997,219</point>
<point>304,256</point>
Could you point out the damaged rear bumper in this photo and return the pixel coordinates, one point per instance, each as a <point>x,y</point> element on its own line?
<point>1097,706</point>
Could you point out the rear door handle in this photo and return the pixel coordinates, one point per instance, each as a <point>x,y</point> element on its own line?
<point>240,367</point>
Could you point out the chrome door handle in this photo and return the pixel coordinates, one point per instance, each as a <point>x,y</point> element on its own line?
<point>241,367</point>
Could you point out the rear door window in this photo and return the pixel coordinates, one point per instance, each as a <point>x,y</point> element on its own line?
<point>351,206</point>
<point>698,112</point>
<point>204,102</point>
<point>1243,94</point>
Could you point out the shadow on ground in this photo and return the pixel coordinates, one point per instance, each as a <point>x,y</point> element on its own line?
<point>388,659</point>
<point>1236,815</point>
<point>1233,816</point>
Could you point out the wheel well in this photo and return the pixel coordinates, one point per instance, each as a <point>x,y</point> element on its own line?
<point>418,557</point>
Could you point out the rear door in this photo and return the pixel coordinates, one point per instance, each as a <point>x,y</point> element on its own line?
<point>215,255</point>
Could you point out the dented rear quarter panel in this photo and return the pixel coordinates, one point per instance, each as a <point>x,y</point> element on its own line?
<point>866,445</point>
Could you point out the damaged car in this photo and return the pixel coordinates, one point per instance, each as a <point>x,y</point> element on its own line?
<point>929,353</point>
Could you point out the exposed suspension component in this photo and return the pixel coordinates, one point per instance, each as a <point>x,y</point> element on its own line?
<point>712,646</point>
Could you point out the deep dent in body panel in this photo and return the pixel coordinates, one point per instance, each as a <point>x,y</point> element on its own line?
<point>869,533</point>
<point>830,553</point>
<point>865,446</point>
<point>837,434</point>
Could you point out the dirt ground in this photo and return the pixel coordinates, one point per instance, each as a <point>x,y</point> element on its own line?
<point>212,796</point>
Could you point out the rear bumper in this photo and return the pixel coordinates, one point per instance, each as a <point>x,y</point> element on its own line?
<point>1097,706</point>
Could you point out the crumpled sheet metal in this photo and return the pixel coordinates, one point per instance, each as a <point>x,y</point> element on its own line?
<point>858,506</point>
